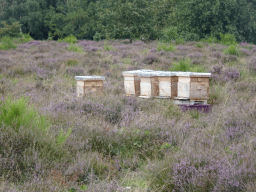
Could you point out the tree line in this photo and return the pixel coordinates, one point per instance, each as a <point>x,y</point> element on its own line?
<point>130,19</point>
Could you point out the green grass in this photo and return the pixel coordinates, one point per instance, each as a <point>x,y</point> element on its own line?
<point>108,47</point>
<point>75,48</point>
<point>165,47</point>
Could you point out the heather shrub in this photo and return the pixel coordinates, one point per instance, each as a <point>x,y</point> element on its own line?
<point>245,52</point>
<point>149,59</point>
<point>232,50</point>
<point>75,48</point>
<point>6,43</point>
<point>72,62</point>
<point>231,74</point>
<point>165,47</point>
<point>76,71</point>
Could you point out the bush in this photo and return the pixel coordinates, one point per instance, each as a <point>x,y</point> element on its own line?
<point>232,50</point>
<point>24,38</point>
<point>69,39</point>
<point>7,43</point>
<point>97,37</point>
<point>10,30</point>
<point>170,34</point>
<point>182,65</point>
<point>108,47</point>
<point>227,39</point>
<point>75,48</point>
<point>189,36</point>
<point>179,41</point>
<point>165,47</point>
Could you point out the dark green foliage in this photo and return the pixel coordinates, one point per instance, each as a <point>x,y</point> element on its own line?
<point>168,20</point>
<point>10,30</point>
<point>97,37</point>
<point>212,17</point>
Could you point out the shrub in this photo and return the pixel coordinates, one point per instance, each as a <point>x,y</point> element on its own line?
<point>69,39</point>
<point>108,47</point>
<point>75,71</point>
<point>24,38</point>
<point>75,48</point>
<point>165,47</point>
<point>97,37</point>
<point>17,113</point>
<point>150,59</point>
<point>10,30</point>
<point>232,50</point>
<point>72,62</point>
<point>182,65</point>
<point>170,33</point>
<point>179,41</point>
<point>7,43</point>
<point>189,36</point>
<point>227,39</point>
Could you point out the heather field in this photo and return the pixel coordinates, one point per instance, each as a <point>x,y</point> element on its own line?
<point>52,141</point>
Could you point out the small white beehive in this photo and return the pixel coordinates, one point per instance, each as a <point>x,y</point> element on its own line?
<point>167,84</point>
<point>183,84</point>
<point>132,81</point>
<point>193,88</point>
<point>149,86</point>
<point>89,84</point>
<point>199,86</point>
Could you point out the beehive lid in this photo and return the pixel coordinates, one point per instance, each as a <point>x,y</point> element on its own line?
<point>166,73</point>
<point>149,74</point>
<point>135,72</point>
<point>200,74</point>
<point>183,74</point>
<point>89,78</point>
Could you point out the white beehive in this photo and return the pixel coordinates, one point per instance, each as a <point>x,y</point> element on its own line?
<point>89,84</point>
<point>193,88</point>
<point>199,86</point>
<point>167,84</point>
<point>132,81</point>
<point>149,86</point>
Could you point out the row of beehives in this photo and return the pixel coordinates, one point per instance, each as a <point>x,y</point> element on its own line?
<point>182,87</point>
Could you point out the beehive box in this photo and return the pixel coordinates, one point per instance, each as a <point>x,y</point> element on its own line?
<point>149,86</point>
<point>132,82</point>
<point>199,86</point>
<point>183,84</point>
<point>89,84</point>
<point>167,84</point>
<point>193,88</point>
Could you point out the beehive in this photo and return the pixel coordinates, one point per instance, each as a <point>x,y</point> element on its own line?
<point>199,86</point>
<point>89,84</point>
<point>149,86</point>
<point>183,84</point>
<point>167,84</point>
<point>193,88</point>
<point>132,81</point>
